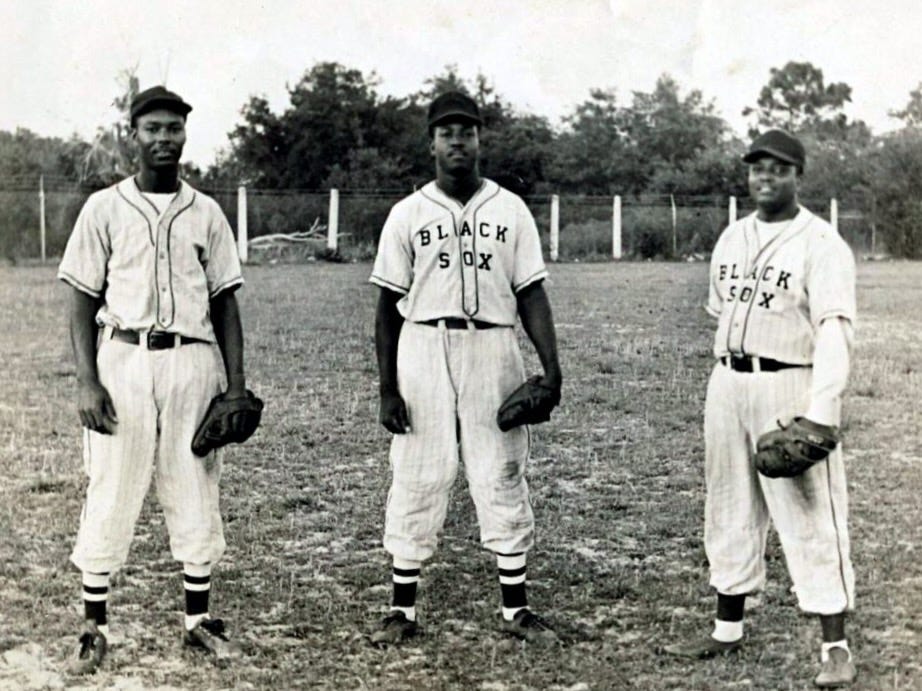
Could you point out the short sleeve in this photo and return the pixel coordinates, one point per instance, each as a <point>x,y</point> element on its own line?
<point>86,256</point>
<point>393,267</point>
<point>831,281</point>
<point>222,264</point>
<point>529,262</point>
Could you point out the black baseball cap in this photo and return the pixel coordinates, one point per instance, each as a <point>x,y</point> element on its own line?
<point>778,143</point>
<point>455,105</point>
<point>158,97</point>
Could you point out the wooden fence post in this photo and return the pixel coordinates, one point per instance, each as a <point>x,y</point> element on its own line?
<point>41,214</point>
<point>616,228</point>
<point>242,228</point>
<point>555,227</point>
<point>333,221</point>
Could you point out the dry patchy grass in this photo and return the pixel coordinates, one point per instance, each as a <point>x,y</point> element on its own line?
<point>617,488</point>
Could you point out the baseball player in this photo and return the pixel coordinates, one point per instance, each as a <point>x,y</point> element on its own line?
<point>458,260</point>
<point>156,334</point>
<point>782,288</point>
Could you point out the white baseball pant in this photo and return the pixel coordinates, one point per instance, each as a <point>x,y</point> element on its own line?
<point>810,512</point>
<point>160,396</point>
<point>453,382</point>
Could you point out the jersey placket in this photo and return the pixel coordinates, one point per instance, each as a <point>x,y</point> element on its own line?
<point>763,256</point>
<point>166,301</point>
<point>162,279</point>
<point>470,297</point>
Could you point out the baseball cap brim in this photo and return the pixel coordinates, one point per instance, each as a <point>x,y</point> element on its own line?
<point>763,151</point>
<point>455,114</point>
<point>172,105</point>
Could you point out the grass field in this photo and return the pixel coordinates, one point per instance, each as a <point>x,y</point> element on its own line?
<point>617,486</point>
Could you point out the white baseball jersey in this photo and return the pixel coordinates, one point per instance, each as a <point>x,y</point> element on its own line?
<point>450,260</point>
<point>770,293</point>
<point>769,300</point>
<point>458,261</point>
<point>155,271</point>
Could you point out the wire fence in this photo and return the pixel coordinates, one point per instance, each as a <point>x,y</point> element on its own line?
<point>652,226</point>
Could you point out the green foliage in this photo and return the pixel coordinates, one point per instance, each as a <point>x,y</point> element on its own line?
<point>652,144</point>
<point>797,97</point>
<point>911,115</point>
<point>897,179</point>
<point>112,156</point>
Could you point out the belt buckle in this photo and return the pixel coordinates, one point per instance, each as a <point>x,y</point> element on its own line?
<point>160,340</point>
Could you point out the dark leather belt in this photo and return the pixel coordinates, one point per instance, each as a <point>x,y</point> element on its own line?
<point>155,340</point>
<point>756,364</point>
<point>458,323</point>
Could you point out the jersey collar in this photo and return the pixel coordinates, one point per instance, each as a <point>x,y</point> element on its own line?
<point>433,190</point>
<point>130,190</point>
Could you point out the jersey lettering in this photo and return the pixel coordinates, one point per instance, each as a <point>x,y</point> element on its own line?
<point>783,280</point>
<point>766,301</point>
<point>459,260</point>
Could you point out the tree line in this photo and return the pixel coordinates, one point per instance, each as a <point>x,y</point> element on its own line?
<point>338,130</point>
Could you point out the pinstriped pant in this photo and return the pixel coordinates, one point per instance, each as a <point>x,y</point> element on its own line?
<point>160,396</point>
<point>453,382</point>
<point>809,512</point>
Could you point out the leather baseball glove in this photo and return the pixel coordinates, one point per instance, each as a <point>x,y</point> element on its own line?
<point>791,450</point>
<point>227,420</point>
<point>529,404</point>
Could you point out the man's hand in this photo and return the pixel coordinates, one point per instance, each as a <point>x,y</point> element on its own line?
<point>553,381</point>
<point>393,413</point>
<point>97,413</point>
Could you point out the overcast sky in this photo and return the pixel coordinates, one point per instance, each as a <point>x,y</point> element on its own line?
<point>59,61</point>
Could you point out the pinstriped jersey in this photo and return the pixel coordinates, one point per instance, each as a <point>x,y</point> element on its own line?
<point>453,260</point>
<point>153,270</point>
<point>770,298</point>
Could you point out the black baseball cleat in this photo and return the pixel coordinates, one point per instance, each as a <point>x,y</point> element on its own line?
<point>531,628</point>
<point>209,635</point>
<point>702,648</point>
<point>93,647</point>
<point>393,629</point>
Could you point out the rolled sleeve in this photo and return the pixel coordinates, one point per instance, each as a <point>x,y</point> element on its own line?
<point>831,283</point>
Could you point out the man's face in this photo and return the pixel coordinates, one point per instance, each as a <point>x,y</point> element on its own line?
<point>772,183</point>
<point>455,146</point>
<point>160,136</point>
